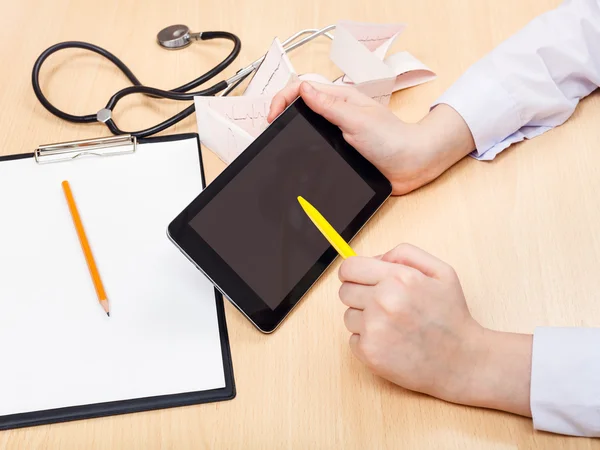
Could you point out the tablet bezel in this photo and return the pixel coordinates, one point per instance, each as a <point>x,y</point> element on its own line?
<point>233,287</point>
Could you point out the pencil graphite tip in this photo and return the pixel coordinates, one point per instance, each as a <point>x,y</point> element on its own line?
<point>104,304</point>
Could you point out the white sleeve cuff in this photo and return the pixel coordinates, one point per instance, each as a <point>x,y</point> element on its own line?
<point>565,381</point>
<point>487,107</point>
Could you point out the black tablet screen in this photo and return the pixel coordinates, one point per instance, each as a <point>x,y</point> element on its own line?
<point>255,222</point>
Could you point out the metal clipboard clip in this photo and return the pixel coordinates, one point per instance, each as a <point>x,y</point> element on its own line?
<point>66,151</point>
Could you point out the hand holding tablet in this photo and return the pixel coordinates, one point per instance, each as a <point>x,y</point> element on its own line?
<point>246,231</point>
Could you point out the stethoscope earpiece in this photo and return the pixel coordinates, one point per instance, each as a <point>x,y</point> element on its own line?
<point>176,37</point>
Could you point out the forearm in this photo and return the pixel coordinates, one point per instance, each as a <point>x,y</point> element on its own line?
<point>446,135</point>
<point>551,376</point>
<point>501,377</point>
<point>493,371</point>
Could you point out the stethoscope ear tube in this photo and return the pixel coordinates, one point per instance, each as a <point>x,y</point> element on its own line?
<point>35,76</point>
<point>164,94</point>
<point>180,93</point>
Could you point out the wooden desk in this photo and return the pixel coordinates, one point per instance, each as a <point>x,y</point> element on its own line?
<point>521,231</point>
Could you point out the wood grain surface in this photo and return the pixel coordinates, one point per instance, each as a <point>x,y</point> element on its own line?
<point>521,231</point>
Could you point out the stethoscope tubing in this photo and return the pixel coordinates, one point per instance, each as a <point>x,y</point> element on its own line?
<point>180,93</point>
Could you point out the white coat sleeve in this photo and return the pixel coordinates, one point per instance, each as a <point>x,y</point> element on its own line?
<point>529,84</point>
<point>532,81</point>
<point>565,381</point>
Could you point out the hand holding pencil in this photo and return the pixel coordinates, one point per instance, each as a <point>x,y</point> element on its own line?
<point>410,324</point>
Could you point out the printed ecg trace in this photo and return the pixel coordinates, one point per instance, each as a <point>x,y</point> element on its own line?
<point>374,42</point>
<point>375,39</point>
<point>257,113</point>
<point>272,74</point>
<point>250,116</point>
<point>275,70</point>
<point>382,98</point>
<point>232,144</point>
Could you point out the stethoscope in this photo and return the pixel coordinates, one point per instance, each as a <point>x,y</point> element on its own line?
<point>172,38</point>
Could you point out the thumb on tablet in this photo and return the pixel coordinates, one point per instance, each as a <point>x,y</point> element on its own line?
<point>332,107</point>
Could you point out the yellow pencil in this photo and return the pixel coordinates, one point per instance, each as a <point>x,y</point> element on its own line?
<point>326,229</point>
<point>85,246</point>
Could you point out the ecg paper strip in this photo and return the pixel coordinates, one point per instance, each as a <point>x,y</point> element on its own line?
<point>248,113</point>
<point>227,125</point>
<point>273,73</point>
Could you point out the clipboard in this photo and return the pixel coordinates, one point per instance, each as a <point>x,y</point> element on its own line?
<point>115,147</point>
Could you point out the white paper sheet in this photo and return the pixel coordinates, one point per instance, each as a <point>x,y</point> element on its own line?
<point>58,347</point>
<point>358,49</point>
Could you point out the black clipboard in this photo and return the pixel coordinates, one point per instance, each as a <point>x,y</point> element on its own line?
<point>147,403</point>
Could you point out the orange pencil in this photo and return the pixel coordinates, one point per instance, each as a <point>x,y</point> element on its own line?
<point>85,246</point>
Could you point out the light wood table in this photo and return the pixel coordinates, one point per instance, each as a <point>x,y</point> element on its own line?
<point>521,231</point>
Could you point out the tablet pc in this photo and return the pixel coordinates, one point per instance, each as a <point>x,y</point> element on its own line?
<point>246,230</point>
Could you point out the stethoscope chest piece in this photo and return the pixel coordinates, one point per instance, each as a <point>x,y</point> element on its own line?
<point>176,37</point>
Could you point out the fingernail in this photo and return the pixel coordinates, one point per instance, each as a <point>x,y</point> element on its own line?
<point>307,88</point>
